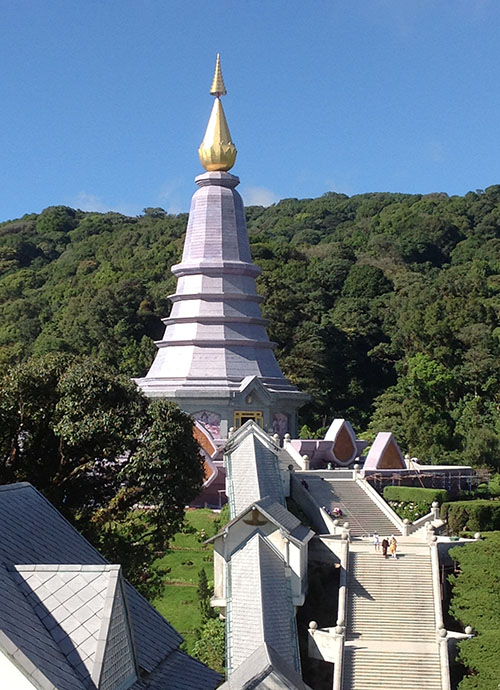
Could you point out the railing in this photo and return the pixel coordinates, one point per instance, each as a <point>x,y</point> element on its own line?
<point>418,524</point>
<point>311,508</point>
<point>382,504</point>
<point>438,609</point>
<point>338,668</point>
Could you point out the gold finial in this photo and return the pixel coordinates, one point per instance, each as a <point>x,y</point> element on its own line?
<point>218,87</point>
<point>217,151</point>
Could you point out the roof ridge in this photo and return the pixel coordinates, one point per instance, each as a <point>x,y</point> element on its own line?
<point>21,661</point>
<point>107,614</point>
<point>17,485</point>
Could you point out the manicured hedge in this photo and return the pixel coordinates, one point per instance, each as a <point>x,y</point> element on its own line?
<point>415,494</point>
<point>480,515</point>
<point>474,602</point>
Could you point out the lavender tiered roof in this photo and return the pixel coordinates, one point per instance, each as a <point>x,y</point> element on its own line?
<point>215,336</point>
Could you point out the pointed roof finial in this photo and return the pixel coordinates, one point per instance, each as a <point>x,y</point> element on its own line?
<point>217,151</point>
<point>218,87</point>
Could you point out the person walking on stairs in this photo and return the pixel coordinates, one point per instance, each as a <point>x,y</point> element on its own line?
<point>376,542</point>
<point>393,546</point>
<point>385,546</point>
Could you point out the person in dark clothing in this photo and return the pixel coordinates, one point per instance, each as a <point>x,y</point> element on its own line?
<point>385,546</point>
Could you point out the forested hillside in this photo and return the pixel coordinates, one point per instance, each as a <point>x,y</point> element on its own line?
<point>383,306</point>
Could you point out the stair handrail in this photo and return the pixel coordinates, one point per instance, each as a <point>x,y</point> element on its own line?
<point>438,611</point>
<point>338,666</point>
<point>309,505</point>
<point>382,504</point>
<point>431,516</point>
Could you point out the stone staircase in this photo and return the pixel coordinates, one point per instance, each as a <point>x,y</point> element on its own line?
<point>366,669</point>
<point>391,596</point>
<point>363,515</point>
<point>391,629</point>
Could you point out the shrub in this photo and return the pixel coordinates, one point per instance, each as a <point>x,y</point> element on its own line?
<point>223,518</point>
<point>494,485</point>
<point>210,648</point>
<point>412,511</point>
<point>480,515</point>
<point>475,602</point>
<point>415,494</point>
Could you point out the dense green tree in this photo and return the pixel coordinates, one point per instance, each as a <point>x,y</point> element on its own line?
<point>96,447</point>
<point>371,299</point>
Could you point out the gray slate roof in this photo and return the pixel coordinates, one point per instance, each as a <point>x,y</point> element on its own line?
<point>265,669</point>
<point>260,607</point>
<point>33,532</point>
<point>70,604</point>
<point>24,637</point>
<point>252,472</point>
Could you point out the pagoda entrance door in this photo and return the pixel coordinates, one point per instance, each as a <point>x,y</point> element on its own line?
<point>241,417</point>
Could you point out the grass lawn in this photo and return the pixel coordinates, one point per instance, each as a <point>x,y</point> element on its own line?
<point>188,555</point>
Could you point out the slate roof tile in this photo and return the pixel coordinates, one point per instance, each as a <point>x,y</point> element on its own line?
<point>253,472</point>
<point>30,642</point>
<point>35,551</point>
<point>264,669</point>
<point>261,608</point>
<point>176,673</point>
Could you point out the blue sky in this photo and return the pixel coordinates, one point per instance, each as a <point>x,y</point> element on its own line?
<point>105,102</point>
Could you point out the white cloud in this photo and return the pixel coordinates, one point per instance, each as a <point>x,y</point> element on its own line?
<point>333,186</point>
<point>170,196</point>
<point>258,196</point>
<point>436,151</point>
<point>91,202</point>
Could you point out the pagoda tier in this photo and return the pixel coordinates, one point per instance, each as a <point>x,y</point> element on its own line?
<point>215,335</point>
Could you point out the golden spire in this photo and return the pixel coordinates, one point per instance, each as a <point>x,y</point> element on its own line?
<point>217,151</point>
<point>218,87</point>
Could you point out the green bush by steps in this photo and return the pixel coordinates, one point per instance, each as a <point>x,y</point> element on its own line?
<point>474,602</point>
<point>412,494</point>
<point>474,516</point>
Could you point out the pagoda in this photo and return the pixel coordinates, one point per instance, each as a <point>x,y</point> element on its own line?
<point>215,359</point>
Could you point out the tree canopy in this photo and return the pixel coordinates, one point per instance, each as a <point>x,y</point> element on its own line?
<point>383,306</point>
<point>96,447</point>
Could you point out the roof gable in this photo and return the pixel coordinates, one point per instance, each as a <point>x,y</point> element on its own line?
<point>275,513</point>
<point>384,454</point>
<point>42,536</point>
<point>252,385</point>
<point>116,667</point>
<point>83,607</point>
<point>264,669</point>
<point>25,640</point>
<point>250,428</point>
<point>252,472</point>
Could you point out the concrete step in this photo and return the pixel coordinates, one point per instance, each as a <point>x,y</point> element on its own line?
<point>390,606</point>
<point>370,670</point>
<point>357,603</point>
<point>363,515</point>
